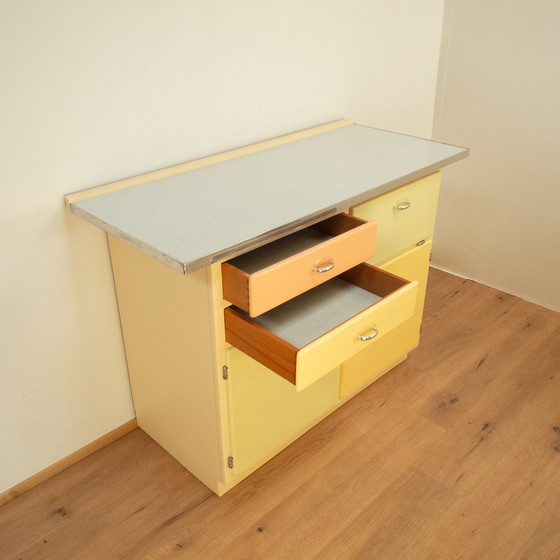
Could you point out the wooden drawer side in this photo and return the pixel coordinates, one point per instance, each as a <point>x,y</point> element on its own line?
<point>262,345</point>
<point>235,285</point>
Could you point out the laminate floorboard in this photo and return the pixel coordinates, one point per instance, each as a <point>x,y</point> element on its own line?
<point>454,454</point>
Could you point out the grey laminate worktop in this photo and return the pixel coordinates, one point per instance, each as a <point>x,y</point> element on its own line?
<point>193,219</point>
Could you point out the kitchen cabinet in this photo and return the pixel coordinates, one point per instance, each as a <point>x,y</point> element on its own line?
<point>260,289</point>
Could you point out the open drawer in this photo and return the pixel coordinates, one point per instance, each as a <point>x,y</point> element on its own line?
<point>308,336</point>
<point>266,277</point>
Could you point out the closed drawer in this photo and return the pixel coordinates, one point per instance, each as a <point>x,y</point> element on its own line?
<point>268,276</point>
<point>404,216</point>
<point>307,337</point>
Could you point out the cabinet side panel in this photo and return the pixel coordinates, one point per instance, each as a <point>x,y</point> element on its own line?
<point>167,331</point>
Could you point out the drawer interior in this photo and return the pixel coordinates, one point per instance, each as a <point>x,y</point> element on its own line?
<point>279,250</point>
<point>290,245</point>
<point>314,313</point>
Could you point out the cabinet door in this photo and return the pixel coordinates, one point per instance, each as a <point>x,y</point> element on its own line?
<point>266,413</point>
<point>386,352</point>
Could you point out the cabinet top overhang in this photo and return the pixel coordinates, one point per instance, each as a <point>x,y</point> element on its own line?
<point>192,215</point>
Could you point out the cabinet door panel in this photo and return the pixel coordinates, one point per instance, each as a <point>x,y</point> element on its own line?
<point>266,412</point>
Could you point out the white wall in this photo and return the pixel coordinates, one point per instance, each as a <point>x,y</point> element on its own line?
<point>499,94</point>
<point>97,90</point>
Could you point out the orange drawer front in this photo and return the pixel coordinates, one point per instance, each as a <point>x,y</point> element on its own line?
<point>271,275</point>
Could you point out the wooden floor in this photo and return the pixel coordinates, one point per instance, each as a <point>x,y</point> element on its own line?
<point>453,455</point>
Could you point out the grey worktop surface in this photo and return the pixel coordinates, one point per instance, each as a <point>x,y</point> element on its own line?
<point>193,219</point>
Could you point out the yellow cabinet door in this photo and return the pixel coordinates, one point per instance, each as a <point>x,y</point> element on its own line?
<point>404,216</point>
<point>266,413</point>
<point>389,350</point>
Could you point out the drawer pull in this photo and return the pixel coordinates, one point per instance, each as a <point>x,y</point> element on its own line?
<point>365,337</point>
<point>402,205</point>
<point>324,265</point>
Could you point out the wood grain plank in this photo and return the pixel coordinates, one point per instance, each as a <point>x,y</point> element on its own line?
<point>520,489</point>
<point>399,471</point>
<point>357,474</point>
<point>71,515</point>
<point>63,464</point>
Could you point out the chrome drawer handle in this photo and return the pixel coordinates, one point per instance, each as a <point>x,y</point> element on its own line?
<point>324,265</point>
<point>402,205</point>
<point>372,335</point>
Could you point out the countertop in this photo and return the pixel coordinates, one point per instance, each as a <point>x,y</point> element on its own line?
<point>192,219</point>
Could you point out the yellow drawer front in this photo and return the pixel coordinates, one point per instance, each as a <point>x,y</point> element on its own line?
<point>266,413</point>
<point>337,320</point>
<point>404,216</point>
<point>375,360</point>
<point>346,340</point>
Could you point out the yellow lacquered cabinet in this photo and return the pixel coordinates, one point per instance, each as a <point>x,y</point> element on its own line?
<point>206,253</point>
<point>265,412</point>
<point>233,411</point>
